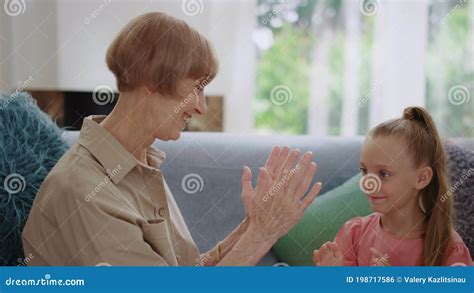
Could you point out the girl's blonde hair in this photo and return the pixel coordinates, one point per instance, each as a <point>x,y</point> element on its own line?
<point>157,50</point>
<point>417,128</point>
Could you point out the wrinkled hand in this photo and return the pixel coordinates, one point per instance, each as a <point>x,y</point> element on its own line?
<point>328,255</point>
<point>276,204</point>
<point>274,162</point>
<point>379,259</point>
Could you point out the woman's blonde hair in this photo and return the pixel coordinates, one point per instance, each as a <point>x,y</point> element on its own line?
<point>158,51</point>
<point>417,128</point>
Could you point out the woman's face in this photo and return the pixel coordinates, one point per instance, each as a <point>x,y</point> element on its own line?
<point>171,114</point>
<point>387,162</point>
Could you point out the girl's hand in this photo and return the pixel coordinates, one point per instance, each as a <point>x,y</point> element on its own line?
<point>328,255</point>
<point>379,259</point>
<point>276,204</point>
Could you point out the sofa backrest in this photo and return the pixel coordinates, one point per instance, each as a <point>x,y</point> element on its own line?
<point>203,171</point>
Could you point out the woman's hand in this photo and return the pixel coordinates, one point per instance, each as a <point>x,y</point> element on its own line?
<point>328,255</point>
<point>379,259</point>
<point>274,162</point>
<point>276,204</point>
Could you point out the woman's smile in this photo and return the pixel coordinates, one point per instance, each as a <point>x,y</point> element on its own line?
<point>186,119</point>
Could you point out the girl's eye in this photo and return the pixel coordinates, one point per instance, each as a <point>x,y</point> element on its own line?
<point>384,174</point>
<point>363,171</point>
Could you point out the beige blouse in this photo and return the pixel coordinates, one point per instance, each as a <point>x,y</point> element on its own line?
<point>101,206</point>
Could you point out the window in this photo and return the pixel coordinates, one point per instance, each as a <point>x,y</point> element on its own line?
<point>339,67</point>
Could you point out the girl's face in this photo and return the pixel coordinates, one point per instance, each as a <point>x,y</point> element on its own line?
<point>391,181</point>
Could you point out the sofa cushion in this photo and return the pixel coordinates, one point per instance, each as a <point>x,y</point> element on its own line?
<point>321,222</point>
<point>30,145</point>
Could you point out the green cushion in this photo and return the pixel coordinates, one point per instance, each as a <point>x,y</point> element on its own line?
<point>321,222</point>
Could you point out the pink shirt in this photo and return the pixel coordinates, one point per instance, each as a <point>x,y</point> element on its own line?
<point>359,234</point>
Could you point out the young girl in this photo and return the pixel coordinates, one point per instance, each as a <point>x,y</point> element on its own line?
<point>404,176</point>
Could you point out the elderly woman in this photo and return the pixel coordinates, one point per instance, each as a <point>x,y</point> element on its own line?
<point>106,201</point>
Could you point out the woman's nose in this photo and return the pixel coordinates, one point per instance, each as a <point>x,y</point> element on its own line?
<point>201,104</point>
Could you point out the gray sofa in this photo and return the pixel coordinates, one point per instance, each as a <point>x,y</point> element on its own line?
<point>212,207</point>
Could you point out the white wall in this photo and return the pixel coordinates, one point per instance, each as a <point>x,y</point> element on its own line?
<point>62,45</point>
<point>3,44</point>
<point>398,73</point>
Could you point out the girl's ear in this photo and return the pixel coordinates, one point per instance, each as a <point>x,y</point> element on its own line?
<point>424,177</point>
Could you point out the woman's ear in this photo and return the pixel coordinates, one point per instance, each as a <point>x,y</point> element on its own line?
<point>150,89</point>
<point>424,176</point>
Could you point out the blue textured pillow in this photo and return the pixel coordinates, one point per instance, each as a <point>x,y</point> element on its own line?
<point>30,145</point>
